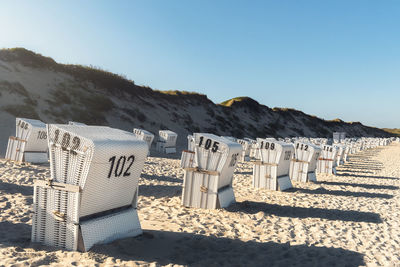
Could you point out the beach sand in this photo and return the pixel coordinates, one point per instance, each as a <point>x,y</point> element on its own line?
<point>350,219</point>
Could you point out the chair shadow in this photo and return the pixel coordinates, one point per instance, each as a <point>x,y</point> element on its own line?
<point>190,249</point>
<point>10,188</point>
<point>19,235</point>
<point>360,168</point>
<point>352,164</point>
<point>340,169</point>
<point>156,154</point>
<point>363,163</point>
<point>366,176</point>
<point>164,247</point>
<point>367,186</point>
<point>15,233</point>
<point>251,207</point>
<point>323,191</point>
<point>160,190</point>
<point>150,163</point>
<point>161,178</point>
<point>364,160</point>
<point>357,167</point>
<point>244,173</point>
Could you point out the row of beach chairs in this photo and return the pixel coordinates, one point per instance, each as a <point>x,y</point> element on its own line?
<point>276,163</point>
<point>92,192</point>
<point>30,141</point>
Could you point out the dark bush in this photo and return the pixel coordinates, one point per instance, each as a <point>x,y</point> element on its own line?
<point>141,117</point>
<point>22,111</point>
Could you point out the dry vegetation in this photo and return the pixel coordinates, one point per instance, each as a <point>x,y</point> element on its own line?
<point>392,131</point>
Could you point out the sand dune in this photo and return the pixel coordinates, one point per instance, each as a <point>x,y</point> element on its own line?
<point>36,87</point>
<point>349,219</point>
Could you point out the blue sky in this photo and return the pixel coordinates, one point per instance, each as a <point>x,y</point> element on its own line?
<point>333,59</point>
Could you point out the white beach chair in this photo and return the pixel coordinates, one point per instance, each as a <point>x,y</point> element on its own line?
<point>340,149</point>
<point>253,149</point>
<point>328,159</point>
<point>272,171</point>
<point>29,143</point>
<point>166,142</point>
<point>208,176</point>
<point>246,145</point>
<point>91,197</point>
<point>303,164</point>
<point>144,135</point>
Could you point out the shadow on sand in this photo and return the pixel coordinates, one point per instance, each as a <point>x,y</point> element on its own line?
<point>198,250</point>
<point>366,186</point>
<point>15,233</point>
<point>15,188</point>
<point>364,163</point>
<point>365,176</point>
<point>353,171</point>
<point>359,168</point>
<point>20,237</point>
<point>244,173</point>
<point>323,191</point>
<point>161,178</point>
<point>190,249</point>
<point>251,207</point>
<point>160,190</point>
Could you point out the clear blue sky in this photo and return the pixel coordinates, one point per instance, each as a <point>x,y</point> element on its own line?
<point>333,59</point>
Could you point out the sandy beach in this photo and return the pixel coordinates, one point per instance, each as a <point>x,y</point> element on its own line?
<point>351,219</point>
